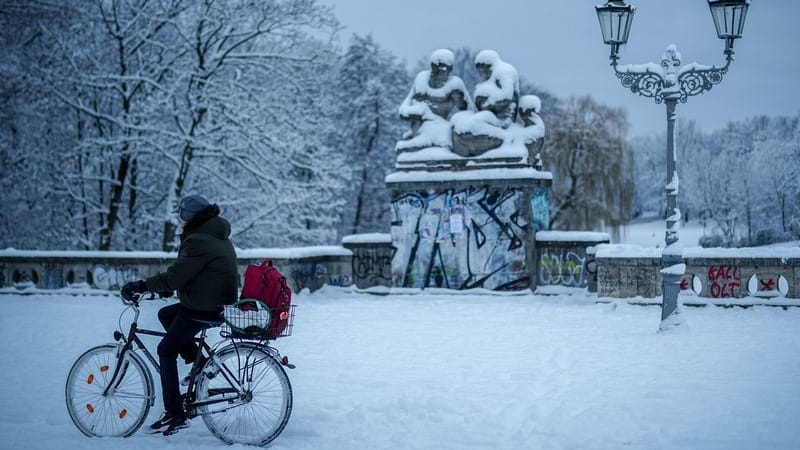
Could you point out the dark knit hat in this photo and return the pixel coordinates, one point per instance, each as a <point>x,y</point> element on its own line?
<point>191,205</point>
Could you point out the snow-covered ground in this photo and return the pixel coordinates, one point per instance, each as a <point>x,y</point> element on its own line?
<point>467,371</point>
<point>651,233</point>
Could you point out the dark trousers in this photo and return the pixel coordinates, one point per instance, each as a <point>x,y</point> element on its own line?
<point>181,329</point>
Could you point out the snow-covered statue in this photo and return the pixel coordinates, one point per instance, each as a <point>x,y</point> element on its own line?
<point>496,99</point>
<point>532,132</point>
<point>499,90</point>
<point>433,96</point>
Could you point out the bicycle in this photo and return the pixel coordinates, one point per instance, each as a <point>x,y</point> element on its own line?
<point>242,391</point>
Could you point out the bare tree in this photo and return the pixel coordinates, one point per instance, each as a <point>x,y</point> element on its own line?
<point>592,165</point>
<point>372,83</point>
<point>108,59</point>
<point>248,66</point>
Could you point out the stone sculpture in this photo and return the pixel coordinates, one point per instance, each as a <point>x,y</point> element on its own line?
<point>500,117</point>
<point>532,132</point>
<point>496,99</point>
<point>433,96</point>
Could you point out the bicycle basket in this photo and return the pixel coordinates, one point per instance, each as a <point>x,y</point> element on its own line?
<point>251,319</point>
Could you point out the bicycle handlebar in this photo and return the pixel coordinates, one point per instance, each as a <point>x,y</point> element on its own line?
<point>137,297</point>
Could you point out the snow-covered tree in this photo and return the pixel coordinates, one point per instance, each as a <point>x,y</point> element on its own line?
<point>104,61</point>
<point>592,166</point>
<point>244,108</point>
<point>741,181</point>
<point>371,85</point>
<point>35,130</point>
<point>142,102</point>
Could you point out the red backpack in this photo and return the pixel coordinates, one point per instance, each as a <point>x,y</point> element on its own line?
<point>263,282</point>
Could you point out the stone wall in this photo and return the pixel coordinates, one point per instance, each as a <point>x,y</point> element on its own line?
<point>720,275</point>
<point>633,271</point>
<point>736,273</point>
<point>303,268</point>
<point>371,264</point>
<point>562,257</point>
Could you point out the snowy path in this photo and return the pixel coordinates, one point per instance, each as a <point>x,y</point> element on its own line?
<point>447,371</point>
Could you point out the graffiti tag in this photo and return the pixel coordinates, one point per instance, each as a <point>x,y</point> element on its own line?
<point>565,268</point>
<point>724,281</point>
<point>112,277</point>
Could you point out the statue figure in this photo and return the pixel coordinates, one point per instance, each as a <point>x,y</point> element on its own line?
<point>532,133</point>
<point>496,98</point>
<point>499,90</point>
<point>434,94</point>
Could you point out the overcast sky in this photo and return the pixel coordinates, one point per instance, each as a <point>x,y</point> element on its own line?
<point>557,44</point>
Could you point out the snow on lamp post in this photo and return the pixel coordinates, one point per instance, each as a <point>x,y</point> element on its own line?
<point>669,83</point>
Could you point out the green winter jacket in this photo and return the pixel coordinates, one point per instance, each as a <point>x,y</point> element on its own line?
<point>205,273</point>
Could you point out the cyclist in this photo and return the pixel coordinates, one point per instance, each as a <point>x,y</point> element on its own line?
<point>206,277</point>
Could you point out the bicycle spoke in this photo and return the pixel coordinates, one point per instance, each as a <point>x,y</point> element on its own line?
<point>265,403</point>
<point>118,412</point>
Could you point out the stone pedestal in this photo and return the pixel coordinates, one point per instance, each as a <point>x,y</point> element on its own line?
<point>466,227</point>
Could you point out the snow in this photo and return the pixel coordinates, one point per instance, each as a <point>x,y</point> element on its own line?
<point>251,253</point>
<point>513,148</point>
<point>627,251</point>
<point>646,240</point>
<point>442,56</point>
<point>14,253</point>
<point>638,251</point>
<point>421,86</point>
<point>433,132</point>
<point>651,233</point>
<point>467,175</point>
<point>367,238</point>
<point>571,236</point>
<point>641,68</point>
<point>478,123</point>
<point>293,252</point>
<point>503,83</point>
<point>673,183</point>
<point>468,371</point>
<point>530,102</point>
<point>675,269</point>
<point>754,252</point>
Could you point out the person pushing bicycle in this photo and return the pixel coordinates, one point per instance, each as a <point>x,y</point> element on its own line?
<point>205,276</point>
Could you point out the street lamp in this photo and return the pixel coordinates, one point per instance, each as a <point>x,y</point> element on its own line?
<point>669,83</point>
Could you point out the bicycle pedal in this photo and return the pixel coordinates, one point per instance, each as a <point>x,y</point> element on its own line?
<point>172,430</point>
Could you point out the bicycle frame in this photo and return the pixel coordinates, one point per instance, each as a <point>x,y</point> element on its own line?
<point>127,345</point>
<point>237,384</point>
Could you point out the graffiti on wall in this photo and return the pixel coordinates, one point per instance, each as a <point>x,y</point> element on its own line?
<point>315,275</point>
<point>372,266</point>
<point>25,277</point>
<point>724,281</point>
<point>53,277</point>
<point>109,277</point>
<point>460,239</point>
<point>562,266</point>
<point>540,209</point>
<point>767,285</point>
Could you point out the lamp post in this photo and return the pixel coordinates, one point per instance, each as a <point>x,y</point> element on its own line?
<point>669,83</point>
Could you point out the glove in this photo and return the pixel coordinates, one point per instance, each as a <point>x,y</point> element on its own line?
<point>132,288</point>
<point>165,294</point>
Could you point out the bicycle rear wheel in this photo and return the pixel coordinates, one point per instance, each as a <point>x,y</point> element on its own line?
<point>253,417</point>
<point>124,409</point>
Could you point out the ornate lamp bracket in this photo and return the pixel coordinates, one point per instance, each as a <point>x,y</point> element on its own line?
<point>670,80</point>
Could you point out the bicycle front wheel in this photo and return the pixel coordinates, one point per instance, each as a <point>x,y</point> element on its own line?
<point>253,415</point>
<point>119,411</point>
